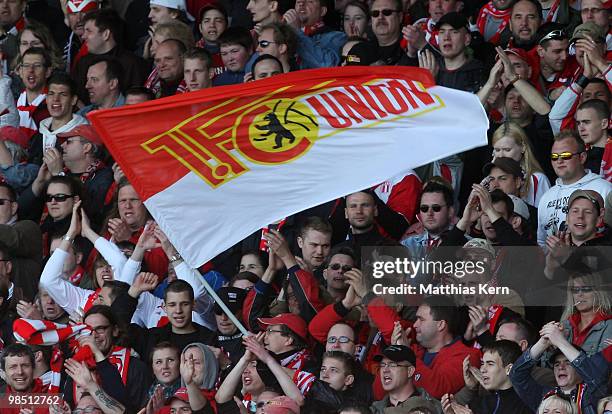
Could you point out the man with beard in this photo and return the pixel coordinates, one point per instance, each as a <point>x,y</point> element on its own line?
<point>525,19</point>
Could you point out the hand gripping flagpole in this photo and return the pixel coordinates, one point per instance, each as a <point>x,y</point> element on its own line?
<point>223,306</point>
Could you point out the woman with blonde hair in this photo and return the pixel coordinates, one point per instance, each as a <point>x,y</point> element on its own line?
<point>587,317</point>
<point>556,405</point>
<point>510,140</point>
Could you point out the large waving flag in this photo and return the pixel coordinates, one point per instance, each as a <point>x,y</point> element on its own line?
<point>216,165</point>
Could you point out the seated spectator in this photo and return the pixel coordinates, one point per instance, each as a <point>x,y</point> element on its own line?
<point>592,123</point>
<point>280,41</point>
<point>236,45</point>
<point>572,373</point>
<point>138,94</point>
<point>21,243</point>
<point>34,69</point>
<point>587,317</point>
<point>165,360</point>
<point>198,70</point>
<point>568,158</point>
<point>213,22</point>
<point>14,167</point>
<point>109,355</point>
<point>103,77</point>
<point>397,370</point>
<point>169,64</point>
<point>510,140</point>
<point>266,66</point>
<point>355,19</point>
<point>318,45</point>
<point>497,360</point>
<point>61,99</point>
<point>102,35</point>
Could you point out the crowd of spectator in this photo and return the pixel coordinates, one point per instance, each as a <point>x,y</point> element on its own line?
<point>97,305</point>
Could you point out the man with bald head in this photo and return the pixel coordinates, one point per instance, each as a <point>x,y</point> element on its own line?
<point>169,63</point>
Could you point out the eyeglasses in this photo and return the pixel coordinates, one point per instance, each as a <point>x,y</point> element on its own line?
<point>4,201</point>
<point>554,35</point>
<point>35,66</point>
<point>100,329</point>
<point>71,140</point>
<point>424,208</point>
<point>384,365</point>
<point>338,266</point>
<point>385,12</point>
<point>265,43</point>
<point>584,289</point>
<point>270,330</point>
<point>60,198</point>
<point>340,339</point>
<point>564,155</point>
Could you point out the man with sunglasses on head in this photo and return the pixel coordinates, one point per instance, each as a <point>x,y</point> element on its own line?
<point>556,66</point>
<point>568,158</point>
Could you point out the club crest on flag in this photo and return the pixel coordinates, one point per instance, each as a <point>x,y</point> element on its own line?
<point>283,125</point>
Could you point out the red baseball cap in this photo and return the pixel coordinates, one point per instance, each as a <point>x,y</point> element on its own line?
<point>86,131</point>
<point>520,53</point>
<point>181,394</point>
<point>14,134</point>
<point>81,6</point>
<point>291,321</point>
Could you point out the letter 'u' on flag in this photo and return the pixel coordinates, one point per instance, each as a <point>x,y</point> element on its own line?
<point>216,165</point>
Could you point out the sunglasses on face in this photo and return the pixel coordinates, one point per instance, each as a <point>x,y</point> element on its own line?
<point>338,266</point>
<point>424,208</point>
<point>564,155</point>
<point>60,198</point>
<point>264,43</point>
<point>583,289</point>
<point>339,339</point>
<point>385,12</point>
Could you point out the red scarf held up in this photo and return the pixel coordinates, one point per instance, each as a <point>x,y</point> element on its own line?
<point>489,10</point>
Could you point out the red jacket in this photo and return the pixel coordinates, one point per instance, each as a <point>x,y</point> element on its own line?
<point>445,373</point>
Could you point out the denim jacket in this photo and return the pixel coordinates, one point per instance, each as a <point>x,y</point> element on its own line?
<point>591,370</point>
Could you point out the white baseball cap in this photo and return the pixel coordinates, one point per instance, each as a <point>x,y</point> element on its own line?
<point>520,207</point>
<point>173,4</point>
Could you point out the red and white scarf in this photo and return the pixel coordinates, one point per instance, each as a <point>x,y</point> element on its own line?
<point>26,109</point>
<point>489,10</point>
<point>153,83</point>
<point>296,360</point>
<point>606,161</point>
<point>553,12</point>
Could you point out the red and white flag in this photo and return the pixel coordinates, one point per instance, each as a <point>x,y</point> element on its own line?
<point>214,166</point>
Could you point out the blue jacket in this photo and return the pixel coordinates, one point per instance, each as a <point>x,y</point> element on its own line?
<point>321,50</point>
<point>594,375</point>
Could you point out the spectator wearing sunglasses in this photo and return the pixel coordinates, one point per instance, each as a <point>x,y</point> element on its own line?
<point>279,40</point>
<point>568,157</point>
<point>228,335</point>
<point>386,17</point>
<point>436,213</point>
<point>61,194</point>
<point>341,260</point>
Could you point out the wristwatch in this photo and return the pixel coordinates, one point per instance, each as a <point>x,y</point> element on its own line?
<point>175,258</point>
<point>68,238</point>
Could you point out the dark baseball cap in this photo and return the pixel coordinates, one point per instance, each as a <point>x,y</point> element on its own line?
<point>362,54</point>
<point>455,20</point>
<point>397,353</point>
<point>233,297</point>
<point>505,164</point>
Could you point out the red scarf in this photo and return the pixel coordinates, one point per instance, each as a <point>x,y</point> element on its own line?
<point>91,300</point>
<point>488,10</point>
<point>263,245</point>
<point>313,29</point>
<point>90,173</point>
<point>552,13</point>
<point>78,274</point>
<point>578,336</point>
